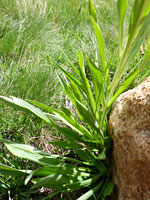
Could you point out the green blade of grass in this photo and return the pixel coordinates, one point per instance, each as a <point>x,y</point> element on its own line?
<point>71,64</point>
<point>65,144</point>
<point>64,169</point>
<point>55,181</point>
<point>121,6</point>
<point>92,10</point>
<point>86,155</point>
<point>70,77</point>
<point>42,106</point>
<point>90,193</point>
<point>138,41</point>
<point>76,91</point>
<point>69,133</point>
<point>81,184</point>
<point>73,124</point>
<point>129,54</point>
<point>36,155</point>
<point>85,82</point>
<point>9,171</point>
<point>97,79</point>
<point>67,89</point>
<point>140,11</point>
<point>100,42</point>
<point>86,115</point>
<point>125,85</point>
<point>25,106</point>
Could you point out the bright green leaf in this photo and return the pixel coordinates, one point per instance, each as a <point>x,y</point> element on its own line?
<point>9,171</point>
<point>92,10</point>
<point>100,42</point>
<point>122,6</point>
<point>108,189</point>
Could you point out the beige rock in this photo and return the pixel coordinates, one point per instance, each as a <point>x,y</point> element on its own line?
<point>130,125</point>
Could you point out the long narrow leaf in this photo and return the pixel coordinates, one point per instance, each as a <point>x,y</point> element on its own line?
<point>76,91</point>
<point>71,64</point>
<point>85,82</point>
<point>125,85</point>
<point>69,76</point>
<point>108,189</point>
<point>98,88</point>
<point>86,116</point>
<point>36,155</point>
<point>26,106</point>
<point>92,10</point>
<point>53,181</point>
<point>73,124</point>
<point>69,133</point>
<point>129,54</point>
<point>63,169</point>
<point>91,192</point>
<point>81,184</point>
<point>65,144</point>
<point>138,41</point>
<point>140,11</point>
<point>67,89</point>
<point>122,6</point>
<point>9,171</point>
<point>100,42</point>
<point>86,155</point>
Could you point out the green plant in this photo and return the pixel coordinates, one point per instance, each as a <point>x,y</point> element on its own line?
<point>86,131</point>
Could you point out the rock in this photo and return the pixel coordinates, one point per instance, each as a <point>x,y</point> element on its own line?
<point>130,126</point>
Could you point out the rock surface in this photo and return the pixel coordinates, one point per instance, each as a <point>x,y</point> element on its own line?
<point>130,126</point>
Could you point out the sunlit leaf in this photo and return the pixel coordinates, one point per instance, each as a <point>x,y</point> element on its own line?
<point>92,10</point>
<point>9,171</point>
<point>100,42</point>
<point>139,13</point>
<point>90,192</point>
<point>125,85</point>
<point>122,6</point>
<point>85,82</point>
<point>26,106</point>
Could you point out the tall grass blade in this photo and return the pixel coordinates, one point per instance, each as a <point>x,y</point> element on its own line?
<point>92,10</point>
<point>82,184</point>
<point>85,82</point>
<point>73,124</point>
<point>76,91</point>
<point>91,192</point>
<point>71,64</point>
<point>100,42</point>
<point>36,155</point>
<point>65,144</point>
<point>98,83</point>
<point>138,40</point>
<point>55,181</point>
<point>125,85</point>
<point>70,77</point>
<point>140,11</point>
<point>86,115</point>
<point>67,89</point>
<point>69,133</point>
<point>25,106</point>
<point>64,169</point>
<point>9,171</point>
<point>121,6</point>
<point>130,51</point>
